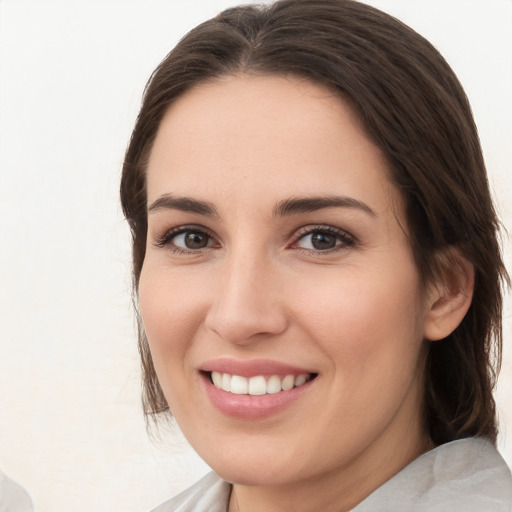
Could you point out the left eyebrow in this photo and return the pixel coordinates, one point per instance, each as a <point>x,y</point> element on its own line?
<point>295,205</point>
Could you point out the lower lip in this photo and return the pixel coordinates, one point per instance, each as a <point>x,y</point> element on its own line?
<point>253,407</point>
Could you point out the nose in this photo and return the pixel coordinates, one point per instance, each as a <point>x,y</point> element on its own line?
<point>247,303</point>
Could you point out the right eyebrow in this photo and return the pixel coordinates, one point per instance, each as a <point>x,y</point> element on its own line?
<point>184,204</point>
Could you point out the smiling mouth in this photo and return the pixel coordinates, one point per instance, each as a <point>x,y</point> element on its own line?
<point>258,385</point>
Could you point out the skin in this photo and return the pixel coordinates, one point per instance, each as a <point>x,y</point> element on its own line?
<point>357,315</point>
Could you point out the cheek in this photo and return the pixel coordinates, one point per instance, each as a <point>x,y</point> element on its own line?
<point>367,322</point>
<point>370,332</point>
<point>171,310</point>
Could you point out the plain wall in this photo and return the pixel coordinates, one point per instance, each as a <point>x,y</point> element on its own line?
<point>71,78</point>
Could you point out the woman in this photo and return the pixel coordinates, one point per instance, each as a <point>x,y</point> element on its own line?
<point>316,265</point>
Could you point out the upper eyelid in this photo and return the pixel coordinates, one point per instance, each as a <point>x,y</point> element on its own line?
<point>186,227</point>
<point>311,228</point>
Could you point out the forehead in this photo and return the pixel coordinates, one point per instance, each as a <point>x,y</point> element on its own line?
<point>281,136</point>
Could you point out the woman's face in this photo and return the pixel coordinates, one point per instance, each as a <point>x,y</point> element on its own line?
<point>278,265</point>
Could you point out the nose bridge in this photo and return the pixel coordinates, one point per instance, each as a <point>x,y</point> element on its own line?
<point>247,301</point>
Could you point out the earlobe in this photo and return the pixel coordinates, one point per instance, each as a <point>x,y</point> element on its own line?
<point>450,296</point>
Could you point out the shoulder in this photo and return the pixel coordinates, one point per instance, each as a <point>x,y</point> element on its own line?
<point>468,475</point>
<point>13,498</point>
<point>210,494</point>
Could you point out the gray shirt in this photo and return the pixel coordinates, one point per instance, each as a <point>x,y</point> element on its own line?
<point>468,475</point>
<point>13,498</point>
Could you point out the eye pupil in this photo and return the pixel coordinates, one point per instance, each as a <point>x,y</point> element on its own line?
<point>323,241</point>
<point>195,240</point>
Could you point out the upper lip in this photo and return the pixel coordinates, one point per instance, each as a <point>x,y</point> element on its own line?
<point>251,368</point>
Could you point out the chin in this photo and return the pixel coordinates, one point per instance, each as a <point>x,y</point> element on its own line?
<point>262,467</point>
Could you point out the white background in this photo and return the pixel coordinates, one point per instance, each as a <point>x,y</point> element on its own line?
<point>71,77</point>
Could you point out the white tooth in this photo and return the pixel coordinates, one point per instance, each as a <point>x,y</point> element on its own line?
<point>274,384</point>
<point>257,385</point>
<point>226,382</point>
<point>217,379</point>
<point>300,379</point>
<point>288,383</point>
<point>239,385</point>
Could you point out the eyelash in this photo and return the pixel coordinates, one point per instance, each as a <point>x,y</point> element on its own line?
<point>347,240</point>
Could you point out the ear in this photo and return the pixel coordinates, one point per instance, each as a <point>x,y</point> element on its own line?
<point>449,297</point>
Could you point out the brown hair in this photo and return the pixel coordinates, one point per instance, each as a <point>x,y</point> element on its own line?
<point>415,110</point>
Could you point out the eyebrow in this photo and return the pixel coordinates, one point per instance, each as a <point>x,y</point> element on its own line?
<point>296,205</point>
<point>291,206</point>
<point>184,204</point>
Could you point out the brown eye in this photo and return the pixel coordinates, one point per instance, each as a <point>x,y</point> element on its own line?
<point>191,240</point>
<point>324,240</point>
<point>195,240</point>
